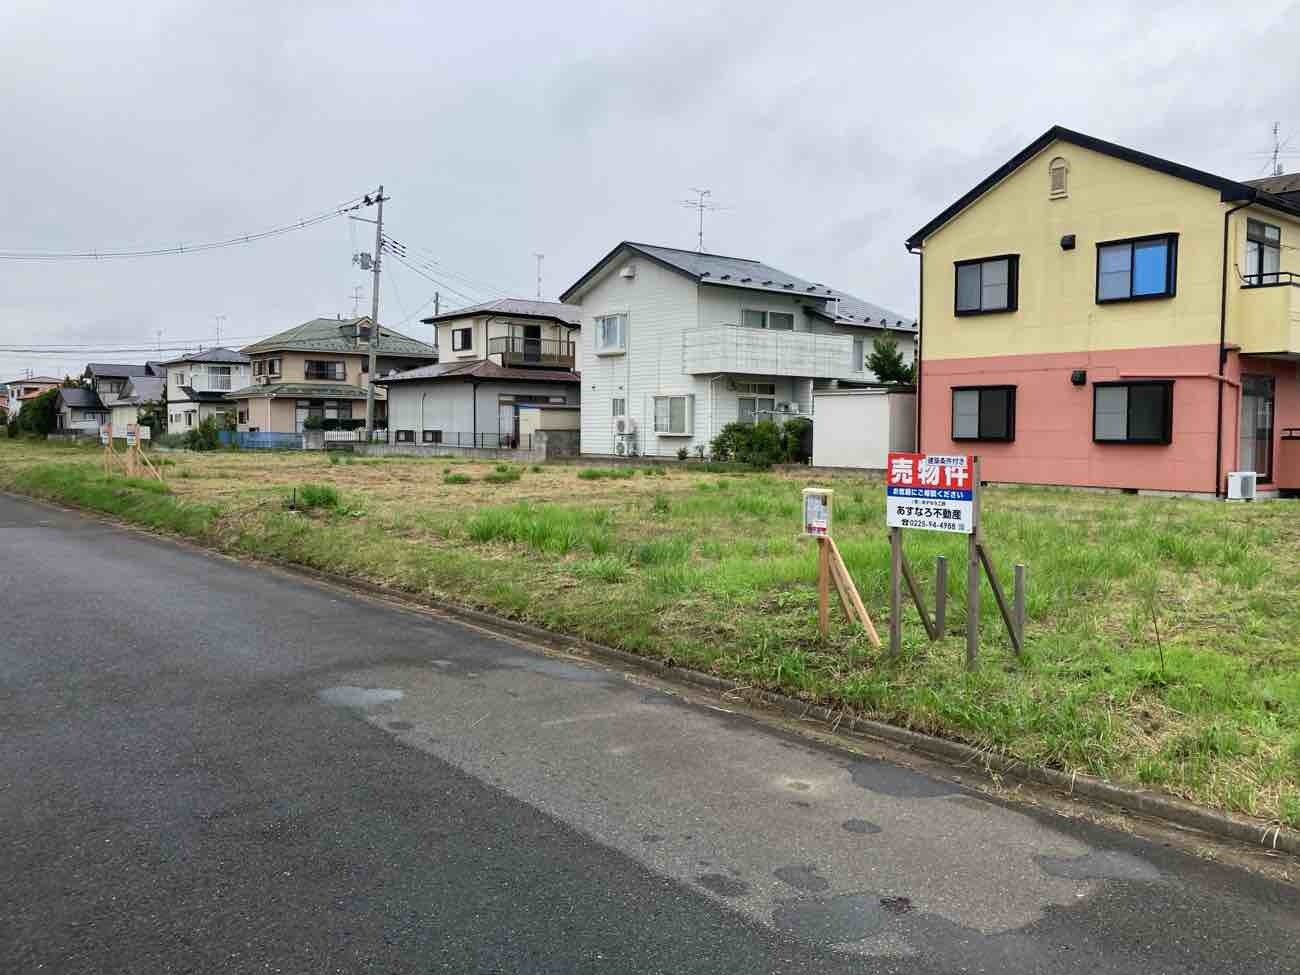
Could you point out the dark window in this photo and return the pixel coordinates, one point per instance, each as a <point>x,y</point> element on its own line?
<point>462,339</point>
<point>984,413</point>
<point>316,369</point>
<point>1263,252</point>
<point>405,436</point>
<point>1144,267</point>
<point>988,284</point>
<point>1136,412</point>
<point>433,436</point>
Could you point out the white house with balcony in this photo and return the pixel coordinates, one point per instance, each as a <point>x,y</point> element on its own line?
<point>197,385</point>
<point>676,344</point>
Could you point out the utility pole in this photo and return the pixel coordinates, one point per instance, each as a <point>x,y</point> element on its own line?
<point>437,304</point>
<point>539,273</point>
<point>374,315</point>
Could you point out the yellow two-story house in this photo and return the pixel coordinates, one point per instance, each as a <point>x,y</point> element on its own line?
<point>1093,315</point>
<point>320,369</point>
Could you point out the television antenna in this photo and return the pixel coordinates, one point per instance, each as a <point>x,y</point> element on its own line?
<point>700,204</point>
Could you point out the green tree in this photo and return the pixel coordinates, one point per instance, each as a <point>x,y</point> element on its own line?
<point>39,416</point>
<point>203,437</point>
<point>887,362</point>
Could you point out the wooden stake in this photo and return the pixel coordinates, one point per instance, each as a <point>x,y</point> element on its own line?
<point>823,587</point>
<point>916,598</point>
<point>1018,602</point>
<point>940,593</point>
<point>842,591</point>
<point>895,591</point>
<point>837,560</point>
<point>1000,598</point>
<point>973,573</point>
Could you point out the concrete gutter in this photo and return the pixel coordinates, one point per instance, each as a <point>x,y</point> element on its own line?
<point>1177,812</point>
<point>1271,836</point>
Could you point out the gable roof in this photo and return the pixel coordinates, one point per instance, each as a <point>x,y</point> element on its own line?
<point>141,389</point>
<point>328,335</point>
<point>219,354</point>
<point>751,275</point>
<point>115,370</point>
<point>32,380</point>
<point>1230,190</point>
<point>515,308</point>
<point>1287,186</point>
<point>81,398</point>
<point>481,369</point>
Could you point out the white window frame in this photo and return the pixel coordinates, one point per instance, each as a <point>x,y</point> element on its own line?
<point>688,415</point>
<point>465,346</point>
<point>598,342</point>
<point>767,319</point>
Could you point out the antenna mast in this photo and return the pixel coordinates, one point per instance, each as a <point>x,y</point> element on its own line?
<point>539,257</point>
<point>700,204</point>
<point>1277,152</point>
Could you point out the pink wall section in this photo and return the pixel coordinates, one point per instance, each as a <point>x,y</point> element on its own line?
<point>1053,436</point>
<point>1286,412</point>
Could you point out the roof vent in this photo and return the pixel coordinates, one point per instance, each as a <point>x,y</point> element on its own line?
<point>1059,178</point>
<point>627,271</point>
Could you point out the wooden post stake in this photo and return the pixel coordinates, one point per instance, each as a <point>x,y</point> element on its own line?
<point>864,618</point>
<point>940,593</point>
<point>842,590</point>
<point>1000,598</point>
<point>823,587</point>
<point>895,591</point>
<point>915,590</point>
<point>1019,603</point>
<point>973,574</point>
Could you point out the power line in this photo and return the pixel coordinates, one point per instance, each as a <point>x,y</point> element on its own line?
<point>487,287</point>
<point>100,255</point>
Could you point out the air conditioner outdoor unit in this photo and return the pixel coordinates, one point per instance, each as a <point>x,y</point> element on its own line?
<point>784,408</point>
<point>620,447</point>
<point>624,426</point>
<point>262,380</point>
<point>1241,485</point>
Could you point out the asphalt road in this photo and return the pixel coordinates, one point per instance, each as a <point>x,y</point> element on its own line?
<point>208,767</point>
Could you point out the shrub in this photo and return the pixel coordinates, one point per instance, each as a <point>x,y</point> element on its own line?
<point>39,416</point>
<point>204,436</point>
<point>683,453</point>
<point>314,422</point>
<point>758,444</point>
<point>798,436</point>
<point>599,473</point>
<point>319,496</point>
<point>170,440</point>
<point>12,429</point>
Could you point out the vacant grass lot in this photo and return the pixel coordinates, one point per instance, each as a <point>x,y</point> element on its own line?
<point>706,568</point>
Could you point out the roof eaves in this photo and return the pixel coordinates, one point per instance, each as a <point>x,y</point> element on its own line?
<point>630,245</point>
<point>1230,190</point>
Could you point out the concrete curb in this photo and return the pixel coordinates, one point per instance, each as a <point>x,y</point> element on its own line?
<point>1188,815</point>
<point>1272,836</point>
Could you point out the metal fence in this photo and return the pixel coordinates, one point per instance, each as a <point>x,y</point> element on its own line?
<point>261,441</point>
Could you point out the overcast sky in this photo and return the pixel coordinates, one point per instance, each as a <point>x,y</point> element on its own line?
<point>828,131</point>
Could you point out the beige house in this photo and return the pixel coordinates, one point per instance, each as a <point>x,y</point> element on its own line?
<point>321,369</point>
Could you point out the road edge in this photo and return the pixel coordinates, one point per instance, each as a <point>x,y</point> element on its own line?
<point>1177,812</point>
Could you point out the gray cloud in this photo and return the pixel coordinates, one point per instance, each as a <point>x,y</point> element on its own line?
<point>829,131</point>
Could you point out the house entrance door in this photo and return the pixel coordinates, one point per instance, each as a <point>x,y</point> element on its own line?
<point>1255,450</point>
<point>507,425</point>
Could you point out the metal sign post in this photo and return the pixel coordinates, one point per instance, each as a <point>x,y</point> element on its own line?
<point>817,507</point>
<point>941,492</point>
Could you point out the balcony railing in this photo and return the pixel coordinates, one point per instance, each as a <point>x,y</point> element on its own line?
<point>766,352</point>
<point>202,382</point>
<point>517,351</point>
<point>1268,321</point>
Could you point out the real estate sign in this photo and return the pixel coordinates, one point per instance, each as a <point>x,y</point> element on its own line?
<point>817,511</point>
<point>105,434</point>
<point>131,435</point>
<point>933,492</point>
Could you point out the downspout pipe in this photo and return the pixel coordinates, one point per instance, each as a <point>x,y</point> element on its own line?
<point>474,412</point>
<point>920,311</point>
<point>1223,342</point>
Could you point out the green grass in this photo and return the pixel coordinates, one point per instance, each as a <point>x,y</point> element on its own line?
<point>503,474</point>
<point>603,473</point>
<point>704,566</point>
<point>324,496</point>
<point>145,502</point>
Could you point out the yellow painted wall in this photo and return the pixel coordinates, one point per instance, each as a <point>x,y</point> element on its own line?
<point>1263,319</point>
<point>1108,199</point>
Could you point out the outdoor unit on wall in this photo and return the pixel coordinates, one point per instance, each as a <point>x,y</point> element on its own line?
<point>625,445</point>
<point>262,380</point>
<point>624,426</point>
<point>1241,485</point>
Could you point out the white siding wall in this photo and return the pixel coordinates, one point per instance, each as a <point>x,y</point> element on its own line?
<point>450,406</point>
<point>859,428</point>
<point>660,305</point>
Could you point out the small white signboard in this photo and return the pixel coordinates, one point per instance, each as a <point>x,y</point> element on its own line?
<point>144,432</point>
<point>132,437</point>
<point>933,492</point>
<point>105,434</point>
<point>817,511</point>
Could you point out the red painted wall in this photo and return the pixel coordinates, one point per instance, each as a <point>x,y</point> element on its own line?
<point>1053,438</point>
